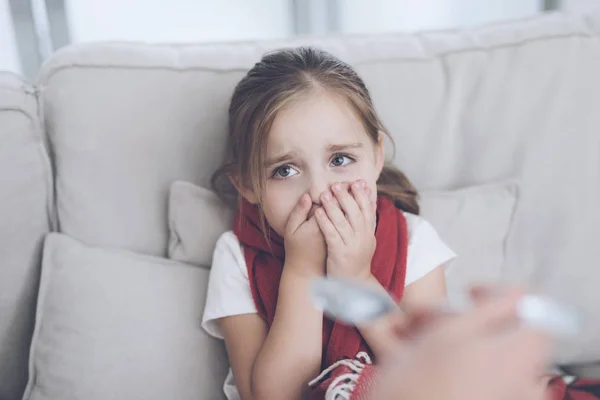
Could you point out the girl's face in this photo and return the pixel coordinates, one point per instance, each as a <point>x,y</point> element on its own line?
<point>314,143</point>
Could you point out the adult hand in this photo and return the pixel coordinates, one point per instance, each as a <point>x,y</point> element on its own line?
<point>482,354</point>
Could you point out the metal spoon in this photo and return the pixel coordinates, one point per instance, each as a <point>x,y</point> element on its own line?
<point>356,304</point>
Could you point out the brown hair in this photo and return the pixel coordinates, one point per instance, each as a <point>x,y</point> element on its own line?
<point>277,79</point>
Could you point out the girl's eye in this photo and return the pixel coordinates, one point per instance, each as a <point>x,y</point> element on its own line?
<point>285,171</point>
<point>340,160</point>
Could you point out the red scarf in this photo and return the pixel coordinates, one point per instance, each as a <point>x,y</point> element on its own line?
<point>576,389</point>
<point>265,258</point>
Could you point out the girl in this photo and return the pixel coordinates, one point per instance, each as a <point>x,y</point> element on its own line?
<point>306,155</point>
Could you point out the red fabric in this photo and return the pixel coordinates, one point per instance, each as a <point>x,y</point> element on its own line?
<point>367,383</point>
<point>364,386</point>
<point>580,389</point>
<point>265,258</point>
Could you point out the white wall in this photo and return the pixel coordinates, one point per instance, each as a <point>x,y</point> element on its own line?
<point>9,56</point>
<point>360,16</point>
<point>177,20</point>
<point>581,5</point>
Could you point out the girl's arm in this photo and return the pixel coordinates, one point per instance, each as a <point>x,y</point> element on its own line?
<point>291,354</point>
<point>244,336</point>
<point>277,364</point>
<point>430,290</point>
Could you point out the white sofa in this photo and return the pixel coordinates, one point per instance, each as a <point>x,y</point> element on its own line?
<point>91,149</point>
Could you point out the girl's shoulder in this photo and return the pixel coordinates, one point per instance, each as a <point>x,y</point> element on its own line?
<point>426,249</point>
<point>415,225</point>
<point>227,241</point>
<point>228,290</point>
<point>228,251</point>
<point>424,239</point>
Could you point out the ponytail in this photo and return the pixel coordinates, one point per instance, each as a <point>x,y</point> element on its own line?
<point>394,184</point>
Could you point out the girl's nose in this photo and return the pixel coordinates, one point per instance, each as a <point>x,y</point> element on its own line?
<point>317,187</point>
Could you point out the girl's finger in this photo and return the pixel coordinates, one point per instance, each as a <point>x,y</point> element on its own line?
<point>348,204</point>
<point>373,210</point>
<point>359,190</point>
<point>336,216</point>
<point>330,233</point>
<point>299,214</point>
<point>373,203</point>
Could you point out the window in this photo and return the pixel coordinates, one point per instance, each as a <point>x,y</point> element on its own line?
<point>31,29</point>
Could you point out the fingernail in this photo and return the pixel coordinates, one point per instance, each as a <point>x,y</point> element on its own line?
<point>357,185</point>
<point>327,196</point>
<point>337,187</point>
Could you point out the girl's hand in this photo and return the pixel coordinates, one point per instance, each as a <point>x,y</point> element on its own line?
<point>304,243</point>
<point>348,221</point>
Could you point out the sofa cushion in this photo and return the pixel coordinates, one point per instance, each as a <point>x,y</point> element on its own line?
<point>511,100</point>
<point>115,325</point>
<point>474,222</point>
<point>585,370</point>
<point>197,217</point>
<point>25,193</point>
<point>121,133</point>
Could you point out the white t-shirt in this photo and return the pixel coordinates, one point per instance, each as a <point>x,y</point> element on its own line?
<point>229,287</point>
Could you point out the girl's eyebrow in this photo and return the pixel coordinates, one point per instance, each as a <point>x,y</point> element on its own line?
<point>340,147</point>
<point>278,159</point>
<point>332,148</point>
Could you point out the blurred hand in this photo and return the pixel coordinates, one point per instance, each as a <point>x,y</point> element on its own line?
<point>483,354</point>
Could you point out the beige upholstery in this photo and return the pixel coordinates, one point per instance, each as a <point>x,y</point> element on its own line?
<point>115,325</point>
<point>510,101</point>
<point>197,217</point>
<point>25,193</point>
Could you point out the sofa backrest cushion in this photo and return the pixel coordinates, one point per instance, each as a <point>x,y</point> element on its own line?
<point>25,193</point>
<point>508,101</point>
